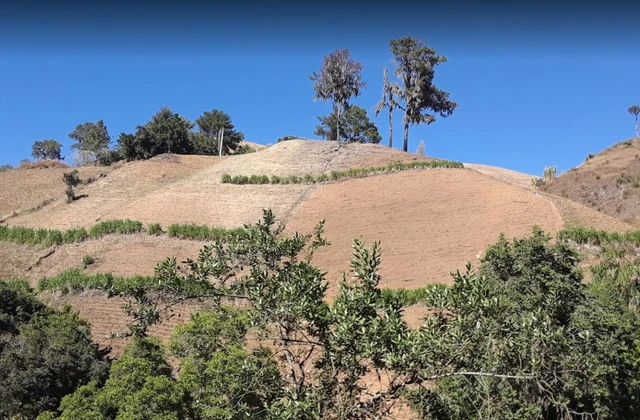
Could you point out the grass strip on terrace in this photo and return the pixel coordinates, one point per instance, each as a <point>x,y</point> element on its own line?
<point>336,175</point>
<point>48,237</point>
<point>589,236</point>
<point>75,281</point>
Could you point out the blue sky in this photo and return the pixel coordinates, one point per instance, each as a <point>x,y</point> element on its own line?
<point>531,92</point>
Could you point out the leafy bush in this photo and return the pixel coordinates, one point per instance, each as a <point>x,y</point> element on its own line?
<point>44,354</point>
<point>6,167</point>
<point>46,149</point>
<point>521,337</point>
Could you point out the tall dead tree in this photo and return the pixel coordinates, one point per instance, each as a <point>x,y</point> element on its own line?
<point>338,80</point>
<point>390,91</point>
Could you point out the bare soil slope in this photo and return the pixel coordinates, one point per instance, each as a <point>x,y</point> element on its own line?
<point>510,176</point>
<point>573,213</point>
<point>429,222</point>
<point>23,189</point>
<point>609,182</point>
<point>187,189</point>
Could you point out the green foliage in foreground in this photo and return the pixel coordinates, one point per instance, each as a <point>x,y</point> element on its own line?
<point>44,354</point>
<point>588,236</point>
<point>521,337</point>
<point>336,175</point>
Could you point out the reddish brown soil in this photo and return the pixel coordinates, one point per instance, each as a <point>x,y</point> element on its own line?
<point>429,222</point>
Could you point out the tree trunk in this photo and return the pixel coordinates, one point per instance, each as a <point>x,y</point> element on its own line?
<point>637,135</point>
<point>390,127</point>
<point>338,126</point>
<point>406,136</point>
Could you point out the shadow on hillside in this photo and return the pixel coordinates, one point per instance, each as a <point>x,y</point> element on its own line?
<point>78,197</point>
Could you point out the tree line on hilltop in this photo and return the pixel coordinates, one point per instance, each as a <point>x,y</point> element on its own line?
<point>165,132</point>
<point>338,80</point>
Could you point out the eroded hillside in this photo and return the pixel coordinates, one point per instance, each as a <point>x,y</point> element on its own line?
<point>608,182</point>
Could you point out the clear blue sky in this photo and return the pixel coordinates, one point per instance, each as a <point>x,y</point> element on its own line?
<point>532,90</point>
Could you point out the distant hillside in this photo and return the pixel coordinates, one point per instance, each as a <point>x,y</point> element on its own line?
<point>608,182</point>
<point>429,221</point>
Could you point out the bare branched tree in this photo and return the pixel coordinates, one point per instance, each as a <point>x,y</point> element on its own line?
<point>390,91</point>
<point>339,79</point>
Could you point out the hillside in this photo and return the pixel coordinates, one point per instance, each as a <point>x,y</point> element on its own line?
<point>608,182</point>
<point>429,221</point>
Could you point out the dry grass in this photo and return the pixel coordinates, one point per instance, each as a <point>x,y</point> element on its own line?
<point>26,189</point>
<point>43,164</point>
<point>507,175</point>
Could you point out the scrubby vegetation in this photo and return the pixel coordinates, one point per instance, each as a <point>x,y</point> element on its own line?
<point>520,337</point>
<point>44,354</point>
<point>71,180</point>
<point>47,149</point>
<point>88,260</point>
<point>336,175</point>
<point>354,124</point>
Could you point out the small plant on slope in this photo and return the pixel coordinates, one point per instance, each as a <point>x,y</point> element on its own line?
<point>549,173</point>
<point>71,179</point>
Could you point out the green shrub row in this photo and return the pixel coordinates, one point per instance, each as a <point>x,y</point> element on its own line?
<point>200,232</point>
<point>30,236</point>
<point>75,280</point>
<point>336,175</point>
<point>583,236</point>
<point>48,237</point>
